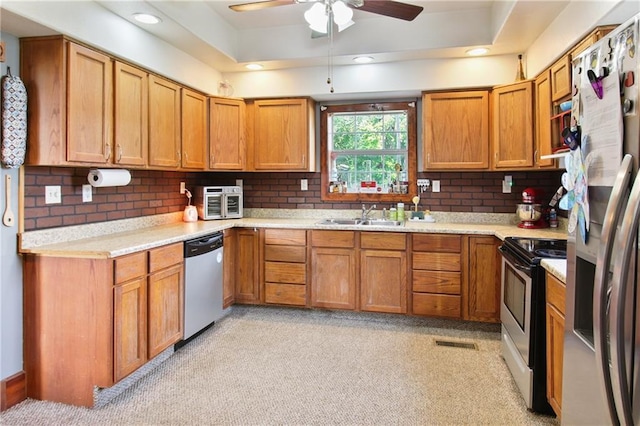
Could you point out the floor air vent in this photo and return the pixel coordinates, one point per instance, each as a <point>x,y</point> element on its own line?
<point>462,345</point>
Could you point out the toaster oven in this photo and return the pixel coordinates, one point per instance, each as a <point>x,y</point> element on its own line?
<point>218,202</point>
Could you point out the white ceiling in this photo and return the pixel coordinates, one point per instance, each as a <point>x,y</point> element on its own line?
<point>278,37</point>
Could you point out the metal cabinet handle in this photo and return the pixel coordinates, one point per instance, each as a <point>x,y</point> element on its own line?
<point>119,153</point>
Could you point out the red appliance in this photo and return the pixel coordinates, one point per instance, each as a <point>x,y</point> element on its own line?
<point>530,212</point>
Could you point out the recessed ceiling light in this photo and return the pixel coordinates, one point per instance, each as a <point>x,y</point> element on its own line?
<point>477,51</point>
<point>254,67</point>
<point>363,59</point>
<point>146,18</point>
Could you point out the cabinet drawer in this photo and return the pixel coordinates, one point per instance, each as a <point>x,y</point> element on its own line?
<point>437,242</point>
<point>296,254</point>
<point>383,240</point>
<point>285,294</point>
<point>436,261</point>
<point>436,282</point>
<point>441,305</point>
<point>345,239</point>
<point>291,237</point>
<point>130,267</point>
<point>556,293</point>
<point>162,257</point>
<point>282,272</point>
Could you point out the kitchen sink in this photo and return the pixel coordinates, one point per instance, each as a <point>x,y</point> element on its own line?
<point>367,222</point>
<point>340,222</point>
<point>381,222</point>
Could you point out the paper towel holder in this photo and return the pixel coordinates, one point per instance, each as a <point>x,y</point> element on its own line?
<point>109,177</point>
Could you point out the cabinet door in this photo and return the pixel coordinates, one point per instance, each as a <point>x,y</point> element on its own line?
<point>281,134</point>
<point>130,326</point>
<point>227,134</point>
<point>247,288</point>
<point>89,106</point>
<point>333,278</point>
<point>383,281</point>
<point>555,352</point>
<point>131,112</point>
<point>561,78</point>
<point>164,123</point>
<point>484,279</point>
<point>456,130</point>
<point>194,130</point>
<point>165,308</point>
<point>513,126</point>
<point>229,268</point>
<point>543,111</point>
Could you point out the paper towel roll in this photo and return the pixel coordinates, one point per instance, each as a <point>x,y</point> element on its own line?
<point>109,177</point>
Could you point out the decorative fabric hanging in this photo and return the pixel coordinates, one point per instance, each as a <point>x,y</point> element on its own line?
<point>14,121</point>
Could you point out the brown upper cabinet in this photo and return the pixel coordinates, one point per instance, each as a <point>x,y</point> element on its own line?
<point>281,134</point>
<point>164,123</point>
<point>70,121</point>
<point>561,78</point>
<point>194,130</point>
<point>456,130</point>
<point>131,112</point>
<point>227,134</point>
<point>543,112</point>
<point>512,134</point>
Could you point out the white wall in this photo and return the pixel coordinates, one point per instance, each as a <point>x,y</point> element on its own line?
<point>10,262</point>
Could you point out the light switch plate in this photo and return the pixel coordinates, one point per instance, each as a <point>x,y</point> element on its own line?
<point>52,194</point>
<point>304,185</point>
<point>183,188</point>
<point>87,193</point>
<point>239,182</point>
<point>435,186</point>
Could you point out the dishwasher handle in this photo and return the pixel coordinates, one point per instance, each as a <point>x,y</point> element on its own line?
<point>203,245</point>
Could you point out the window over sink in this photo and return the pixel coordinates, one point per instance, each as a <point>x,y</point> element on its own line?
<point>368,151</point>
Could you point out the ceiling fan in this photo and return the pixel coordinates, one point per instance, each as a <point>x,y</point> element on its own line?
<point>393,9</point>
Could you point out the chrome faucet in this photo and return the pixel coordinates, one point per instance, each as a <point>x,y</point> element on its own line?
<point>366,211</point>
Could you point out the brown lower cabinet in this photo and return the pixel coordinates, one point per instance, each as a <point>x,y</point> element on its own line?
<point>555,309</point>
<point>334,266</point>
<point>247,270</point>
<point>285,266</point>
<point>483,279</point>
<point>91,322</point>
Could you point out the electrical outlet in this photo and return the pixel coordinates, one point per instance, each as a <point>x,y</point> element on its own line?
<point>304,185</point>
<point>87,193</point>
<point>52,194</point>
<point>436,186</point>
<point>183,188</point>
<point>239,182</point>
<point>507,183</point>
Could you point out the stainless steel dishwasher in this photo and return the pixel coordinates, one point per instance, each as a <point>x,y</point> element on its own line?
<point>202,283</point>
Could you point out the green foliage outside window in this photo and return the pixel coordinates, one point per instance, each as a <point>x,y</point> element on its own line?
<point>368,146</point>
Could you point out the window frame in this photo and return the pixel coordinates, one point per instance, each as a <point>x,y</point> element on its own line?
<point>410,107</point>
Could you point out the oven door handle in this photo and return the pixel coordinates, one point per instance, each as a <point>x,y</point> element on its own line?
<point>513,261</point>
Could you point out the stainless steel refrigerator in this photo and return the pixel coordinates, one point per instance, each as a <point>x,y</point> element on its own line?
<point>601,368</point>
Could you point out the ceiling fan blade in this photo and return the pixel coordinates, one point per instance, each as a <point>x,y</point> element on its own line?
<point>394,9</point>
<point>257,5</point>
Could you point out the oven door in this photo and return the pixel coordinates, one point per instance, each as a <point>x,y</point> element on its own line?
<point>515,306</point>
<point>213,206</point>
<point>233,206</point>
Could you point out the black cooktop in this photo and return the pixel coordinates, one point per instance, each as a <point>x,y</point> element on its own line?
<point>535,249</point>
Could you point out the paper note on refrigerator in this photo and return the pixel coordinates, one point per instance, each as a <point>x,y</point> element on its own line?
<point>602,129</point>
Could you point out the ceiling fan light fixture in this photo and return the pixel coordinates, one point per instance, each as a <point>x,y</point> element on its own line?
<point>342,14</point>
<point>317,18</point>
<point>146,18</point>
<point>478,51</point>
<point>253,67</point>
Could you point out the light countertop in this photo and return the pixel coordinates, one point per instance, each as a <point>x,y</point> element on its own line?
<point>108,240</point>
<point>557,268</point>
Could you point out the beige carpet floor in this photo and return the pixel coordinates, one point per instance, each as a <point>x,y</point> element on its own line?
<point>272,366</point>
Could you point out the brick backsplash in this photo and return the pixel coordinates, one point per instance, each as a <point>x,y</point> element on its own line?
<point>156,192</point>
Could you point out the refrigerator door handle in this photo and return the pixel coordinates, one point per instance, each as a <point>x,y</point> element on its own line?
<point>603,260</point>
<point>624,246</point>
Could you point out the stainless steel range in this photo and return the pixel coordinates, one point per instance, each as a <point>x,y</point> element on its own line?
<point>522,312</point>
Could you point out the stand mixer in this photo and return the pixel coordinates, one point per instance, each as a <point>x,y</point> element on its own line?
<point>530,212</point>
